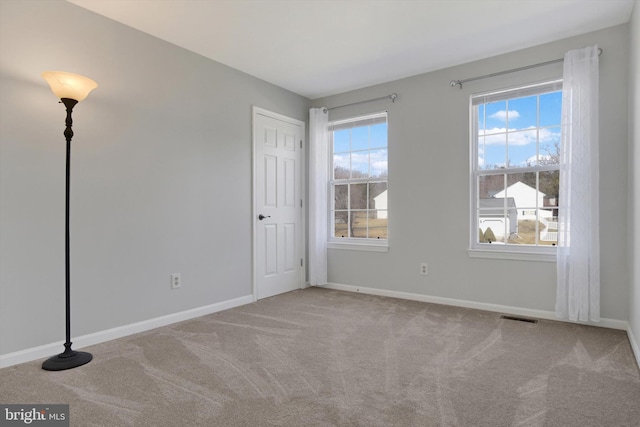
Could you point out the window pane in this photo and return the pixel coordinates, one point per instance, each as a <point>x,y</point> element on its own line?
<point>378,224</point>
<point>495,211</point>
<point>522,188</point>
<point>525,232</point>
<point>378,161</point>
<point>341,141</point>
<point>493,151</point>
<point>378,195</point>
<point>523,112</point>
<point>360,138</point>
<point>341,166</point>
<point>522,147</point>
<point>544,227</point>
<point>550,146</point>
<point>490,185</point>
<point>512,178</point>
<point>360,164</point>
<point>548,228</point>
<point>379,135</point>
<point>359,224</point>
<point>550,188</point>
<point>341,220</point>
<point>492,225</point>
<point>496,117</point>
<point>523,195</point>
<point>358,196</point>
<point>550,109</point>
<point>340,195</point>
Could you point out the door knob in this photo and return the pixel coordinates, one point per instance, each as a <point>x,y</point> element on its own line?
<point>261,217</point>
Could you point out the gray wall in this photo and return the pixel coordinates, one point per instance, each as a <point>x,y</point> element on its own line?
<point>634,187</point>
<point>429,184</point>
<point>161,176</point>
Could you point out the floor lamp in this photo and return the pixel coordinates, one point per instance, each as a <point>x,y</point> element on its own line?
<point>70,89</point>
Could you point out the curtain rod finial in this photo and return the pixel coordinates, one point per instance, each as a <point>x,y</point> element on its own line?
<point>454,83</point>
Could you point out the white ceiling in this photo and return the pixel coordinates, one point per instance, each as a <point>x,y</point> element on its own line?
<point>321,47</point>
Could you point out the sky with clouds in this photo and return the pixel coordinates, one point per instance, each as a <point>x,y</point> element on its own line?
<point>362,149</point>
<point>512,131</point>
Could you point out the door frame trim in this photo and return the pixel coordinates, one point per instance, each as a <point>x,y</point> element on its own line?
<point>254,185</point>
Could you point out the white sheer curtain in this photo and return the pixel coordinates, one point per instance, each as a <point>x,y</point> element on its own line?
<point>578,292</point>
<point>318,183</point>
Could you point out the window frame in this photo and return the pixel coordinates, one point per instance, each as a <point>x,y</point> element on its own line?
<point>354,243</point>
<point>524,252</point>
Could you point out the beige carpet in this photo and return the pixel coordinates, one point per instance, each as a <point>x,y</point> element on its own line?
<point>319,357</point>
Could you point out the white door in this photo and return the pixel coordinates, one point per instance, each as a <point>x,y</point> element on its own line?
<point>278,234</point>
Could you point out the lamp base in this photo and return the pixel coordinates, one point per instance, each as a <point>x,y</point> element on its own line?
<point>67,360</point>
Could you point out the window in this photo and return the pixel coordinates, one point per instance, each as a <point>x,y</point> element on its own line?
<point>358,180</point>
<point>515,146</point>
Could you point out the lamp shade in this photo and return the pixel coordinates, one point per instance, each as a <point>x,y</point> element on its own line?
<point>69,85</point>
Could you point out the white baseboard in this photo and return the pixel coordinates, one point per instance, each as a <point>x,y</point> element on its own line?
<point>540,314</point>
<point>52,349</point>
<point>47,350</point>
<point>634,345</point>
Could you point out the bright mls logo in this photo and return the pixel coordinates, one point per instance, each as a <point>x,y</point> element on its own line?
<point>34,415</point>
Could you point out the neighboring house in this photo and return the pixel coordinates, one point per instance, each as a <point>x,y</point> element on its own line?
<point>380,202</point>
<point>492,216</point>
<point>526,199</point>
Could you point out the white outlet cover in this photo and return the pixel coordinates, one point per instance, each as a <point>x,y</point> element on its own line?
<point>175,281</point>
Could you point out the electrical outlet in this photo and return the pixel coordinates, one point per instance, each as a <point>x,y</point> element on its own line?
<point>175,281</point>
<point>424,269</point>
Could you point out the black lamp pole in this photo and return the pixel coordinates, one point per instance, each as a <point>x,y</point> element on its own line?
<point>69,358</point>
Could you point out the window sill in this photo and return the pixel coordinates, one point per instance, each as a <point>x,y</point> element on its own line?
<point>546,256</point>
<point>353,246</point>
